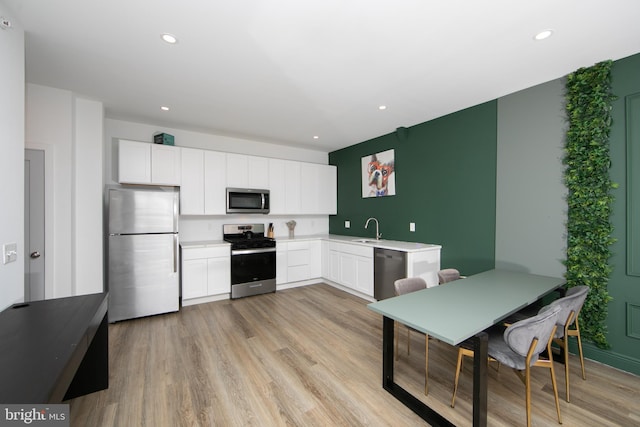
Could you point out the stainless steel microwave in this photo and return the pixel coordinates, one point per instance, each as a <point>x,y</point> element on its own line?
<point>247,200</point>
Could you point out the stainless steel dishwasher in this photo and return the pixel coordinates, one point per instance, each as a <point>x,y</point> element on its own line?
<point>388,266</point>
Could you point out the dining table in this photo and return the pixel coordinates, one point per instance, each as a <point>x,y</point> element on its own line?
<point>457,312</point>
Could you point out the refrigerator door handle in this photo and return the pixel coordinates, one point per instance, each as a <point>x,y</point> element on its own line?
<point>175,253</point>
<point>176,211</point>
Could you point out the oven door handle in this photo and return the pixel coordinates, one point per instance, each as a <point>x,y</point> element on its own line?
<point>252,251</point>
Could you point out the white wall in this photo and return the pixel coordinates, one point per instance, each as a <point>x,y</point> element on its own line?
<point>12,158</point>
<point>71,129</point>
<point>49,124</point>
<point>531,206</point>
<point>88,162</point>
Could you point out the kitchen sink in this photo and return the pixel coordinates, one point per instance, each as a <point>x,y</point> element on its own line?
<point>366,240</point>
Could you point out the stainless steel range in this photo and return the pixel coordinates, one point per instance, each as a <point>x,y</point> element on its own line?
<point>253,260</point>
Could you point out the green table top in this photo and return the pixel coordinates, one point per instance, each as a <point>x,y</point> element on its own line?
<point>455,311</point>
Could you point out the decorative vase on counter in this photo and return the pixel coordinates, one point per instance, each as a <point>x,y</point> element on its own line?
<point>291,225</point>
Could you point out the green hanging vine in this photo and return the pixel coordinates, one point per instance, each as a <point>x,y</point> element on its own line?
<point>588,106</point>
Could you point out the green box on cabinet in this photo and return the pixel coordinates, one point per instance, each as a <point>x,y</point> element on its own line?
<point>163,138</point>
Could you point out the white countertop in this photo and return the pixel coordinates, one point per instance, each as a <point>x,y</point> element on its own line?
<point>354,240</point>
<point>386,244</point>
<point>203,244</point>
<point>371,242</point>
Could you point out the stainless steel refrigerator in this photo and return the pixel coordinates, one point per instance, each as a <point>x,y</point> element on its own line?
<point>143,275</point>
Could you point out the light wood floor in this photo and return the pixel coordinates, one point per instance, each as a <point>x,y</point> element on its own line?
<point>311,356</point>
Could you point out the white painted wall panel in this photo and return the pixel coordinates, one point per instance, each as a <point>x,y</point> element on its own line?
<point>12,159</point>
<point>88,247</point>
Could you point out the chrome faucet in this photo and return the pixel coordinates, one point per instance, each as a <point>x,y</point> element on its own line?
<point>378,234</point>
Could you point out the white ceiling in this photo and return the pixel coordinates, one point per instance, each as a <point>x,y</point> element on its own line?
<point>285,70</point>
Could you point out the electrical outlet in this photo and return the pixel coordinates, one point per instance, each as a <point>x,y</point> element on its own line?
<point>412,226</point>
<point>347,224</point>
<point>9,253</point>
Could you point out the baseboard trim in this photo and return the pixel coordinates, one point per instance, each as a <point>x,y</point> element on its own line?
<point>611,358</point>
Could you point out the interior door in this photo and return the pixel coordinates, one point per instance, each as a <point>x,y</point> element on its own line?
<point>34,225</point>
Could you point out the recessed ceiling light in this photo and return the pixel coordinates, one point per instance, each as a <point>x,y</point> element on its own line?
<point>544,34</point>
<point>163,108</point>
<point>169,38</point>
<point>382,107</point>
<point>316,137</point>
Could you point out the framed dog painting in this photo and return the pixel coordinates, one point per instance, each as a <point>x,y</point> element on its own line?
<point>378,174</point>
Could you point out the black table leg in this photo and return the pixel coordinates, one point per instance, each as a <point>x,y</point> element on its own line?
<point>409,400</point>
<point>387,351</point>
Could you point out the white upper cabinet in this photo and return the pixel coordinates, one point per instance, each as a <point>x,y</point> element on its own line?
<point>258,172</point>
<point>292,187</point>
<point>302,188</point>
<point>318,189</point>
<point>311,189</point>
<point>277,182</point>
<point>146,163</point>
<point>203,176</point>
<point>134,162</point>
<point>215,171</point>
<point>329,184</point>
<point>247,171</point>
<point>192,185</point>
<point>202,191</point>
<point>237,171</point>
<point>165,164</point>
<point>284,186</point>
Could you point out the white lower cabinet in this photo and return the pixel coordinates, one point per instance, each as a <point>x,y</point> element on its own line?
<point>315,259</point>
<point>351,266</point>
<point>281,263</point>
<point>205,272</point>
<point>194,278</point>
<point>364,274</point>
<point>300,261</point>
<point>334,266</point>
<point>425,264</point>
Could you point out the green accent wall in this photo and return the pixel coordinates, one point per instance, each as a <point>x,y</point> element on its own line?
<point>445,183</point>
<point>623,331</point>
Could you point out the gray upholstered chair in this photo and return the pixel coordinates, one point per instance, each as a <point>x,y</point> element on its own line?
<point>520,345</point>
<point>405,286</point>
<point>568,326</point>
<point>447,275</point>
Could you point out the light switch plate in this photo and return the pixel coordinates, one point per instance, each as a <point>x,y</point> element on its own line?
<point>347,224</point>
<point>412,226</point>
<point>9,252</point>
